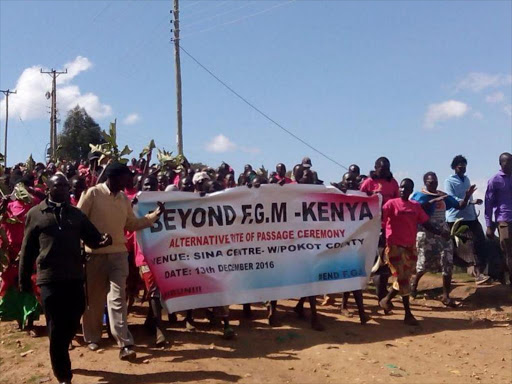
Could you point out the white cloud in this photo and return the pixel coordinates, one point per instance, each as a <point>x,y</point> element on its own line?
<point>444,111</point>
<point>30,102</point>
<point>508,109</point>
<point>221,144</point>
<point>132,118</point>
<point>495,97</point>
<point>478,81</point>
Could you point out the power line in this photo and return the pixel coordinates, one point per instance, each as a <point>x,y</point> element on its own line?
<point>260,111</point>
<point>240,19</point>
<point>207,9</point>
<point>214,16</point>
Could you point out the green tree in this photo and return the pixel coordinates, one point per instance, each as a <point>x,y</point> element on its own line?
<point>79,131</point>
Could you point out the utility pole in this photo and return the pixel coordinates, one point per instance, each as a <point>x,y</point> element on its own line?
<point>176,39</point>
<point>6,93</point>
<point>53,117</point>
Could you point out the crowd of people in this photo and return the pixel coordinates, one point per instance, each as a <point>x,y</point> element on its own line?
<point>69,245</point>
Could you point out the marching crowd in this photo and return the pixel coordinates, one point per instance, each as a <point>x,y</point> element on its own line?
<point>69,247</point>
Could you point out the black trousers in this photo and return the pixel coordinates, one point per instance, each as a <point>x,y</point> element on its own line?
<point>63,304</point>
<point>478,241</point>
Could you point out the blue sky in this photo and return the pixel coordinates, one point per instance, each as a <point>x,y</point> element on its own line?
<point>418,82</point>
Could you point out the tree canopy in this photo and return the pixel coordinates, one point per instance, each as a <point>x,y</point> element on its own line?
<point>79,131</point>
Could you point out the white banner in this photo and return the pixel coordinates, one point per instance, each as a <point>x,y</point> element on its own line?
<point>247,245</point>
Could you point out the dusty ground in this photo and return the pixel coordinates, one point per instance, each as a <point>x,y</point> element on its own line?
<point>470,344</point>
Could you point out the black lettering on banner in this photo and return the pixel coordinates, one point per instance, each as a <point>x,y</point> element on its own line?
<point>337,211</point>
<point>307,210</point>
<point>352,210</point>
<point>215,215</point>
<point>279,213</point>
<point>323,212</point>
<point>184,215</point>
<point>157,226</point>
<point>259,213</point>
<point>365,212</point>
<point>228,210</point>
<point>246,212</point>
<point>168,219</point>
<point>202,217</point>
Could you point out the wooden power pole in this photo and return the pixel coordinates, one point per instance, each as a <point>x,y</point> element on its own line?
<point>6,93</point>
<point>176,39</point>
<point>53,117</point>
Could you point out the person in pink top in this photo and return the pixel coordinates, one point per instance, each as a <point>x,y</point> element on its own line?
<point>154,317</point>
<point>401,217</point>
<point>281,174</point>
<point>381,181</point>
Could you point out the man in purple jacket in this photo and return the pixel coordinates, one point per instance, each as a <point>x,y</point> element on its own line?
<point>498,200</point>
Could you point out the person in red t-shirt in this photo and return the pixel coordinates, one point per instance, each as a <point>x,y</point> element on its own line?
<point>281,174</point>
<point>401,217</point>
<point>381,181</point>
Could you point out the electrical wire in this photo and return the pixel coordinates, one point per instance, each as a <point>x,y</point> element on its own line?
<point>260,111</point>
<point>202,10</point>
<point>214,16</point>
<point>239,19</point>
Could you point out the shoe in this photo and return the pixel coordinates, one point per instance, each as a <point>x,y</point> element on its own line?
<point>160,338</point>
<point>481,279</point>
<point>93,347</point>
<point>127,353</point>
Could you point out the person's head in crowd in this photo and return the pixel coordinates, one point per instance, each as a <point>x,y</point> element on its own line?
<point>223,171</point>
<point>78,186</point>
<point>133,162</point>
<point>247,168</point>
<point>118,176</point>
<point>39,167</point>
<point>70,171</point>
<point>406,188</point>
<point>58,188</point>
<point>459,164</point>
<point>259,180</point>
<point>201,181</point>
<point>28,179</point>
<point>306,162</point>
<point>51,169</point>
<point>16,176</point>
<point>230,181</point>
<point>354,169</point>
<point>186,184</point>
<point>214,186</point>
<point>506,163</point>
<point>163,181</point>
<point>251,175</point>
<point>150,183</point>
<point>297,172</point>
<point>382,169</point>
<point>349,181</point>
<point>94,158</point>
<point>142,164</point>
<point>281,170</point>
<point>430,181</point>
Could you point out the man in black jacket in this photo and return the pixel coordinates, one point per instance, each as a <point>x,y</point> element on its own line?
<point>53,231</point>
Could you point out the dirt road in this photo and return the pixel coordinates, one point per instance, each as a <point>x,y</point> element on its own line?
<point>470,344</point>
